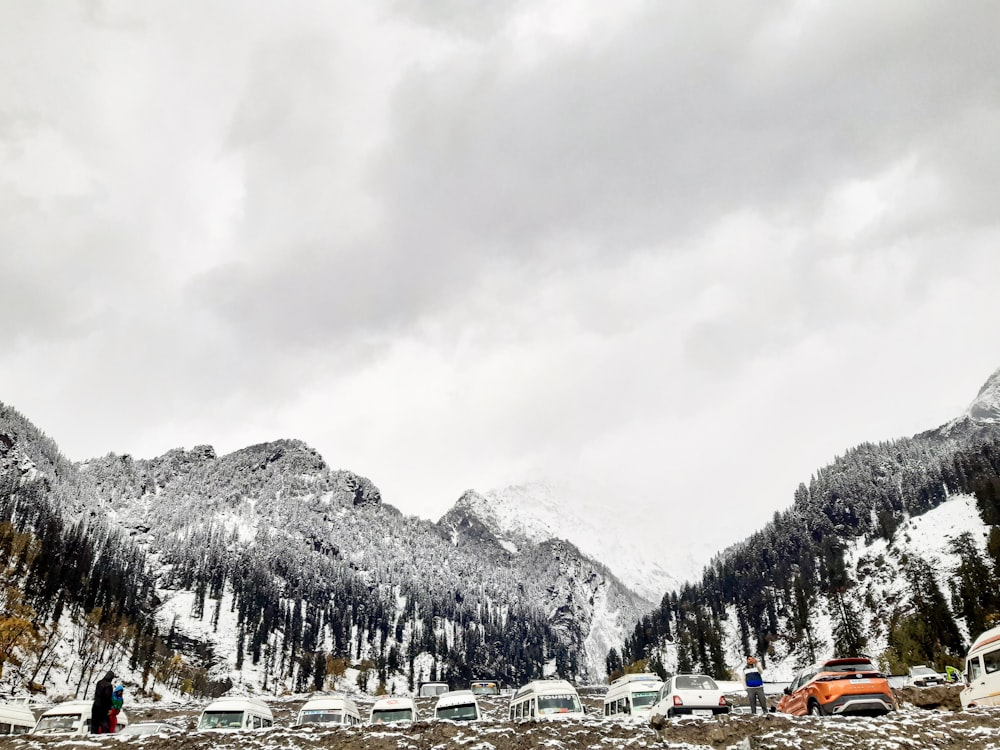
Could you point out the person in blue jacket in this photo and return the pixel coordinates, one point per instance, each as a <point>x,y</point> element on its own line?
<point>753,681</point>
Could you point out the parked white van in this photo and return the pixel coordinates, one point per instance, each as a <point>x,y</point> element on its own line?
<point>15,718</point>
<point>982,671</point>
<point>234,714</point>
<point>433,689</point>
<point>633,695</point>
<point>458,705</point>
<point>485,687</point>
<point>389,710</point>
<point>72,717</point>
<point>329,709</point>
<point>546,699</point>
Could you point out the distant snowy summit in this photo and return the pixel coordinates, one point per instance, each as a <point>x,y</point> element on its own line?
<point>538,512</point>
<point>986,407</point>
<point>982,413</point>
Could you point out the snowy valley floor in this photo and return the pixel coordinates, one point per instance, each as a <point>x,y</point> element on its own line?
<point>969,730</point>
<point>911,728</point>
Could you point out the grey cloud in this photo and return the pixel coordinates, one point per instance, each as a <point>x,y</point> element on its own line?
<point>652,134</point>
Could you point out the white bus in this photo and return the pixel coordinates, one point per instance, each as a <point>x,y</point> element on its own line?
<point>72,717</point>
<point>982,671</point>
<point>632,694</point>
<point>15,718</point>
<point>235,714</point>
<point>546,699</point>
<point>457,705</point>
<point>389,710</point>
<point>329,709</point>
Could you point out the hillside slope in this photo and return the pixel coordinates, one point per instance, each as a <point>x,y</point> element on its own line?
<point>891,550</point>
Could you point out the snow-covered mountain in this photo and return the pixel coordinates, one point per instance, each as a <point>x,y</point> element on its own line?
<point>539,511</point>
<point>885,576</point>
<point>268,569</point>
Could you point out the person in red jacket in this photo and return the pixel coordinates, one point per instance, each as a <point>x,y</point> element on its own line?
<point>117,701</point>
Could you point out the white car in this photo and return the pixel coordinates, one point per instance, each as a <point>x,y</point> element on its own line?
<point>688,695</point>
<point>150,727</point>
<point>923,676</point>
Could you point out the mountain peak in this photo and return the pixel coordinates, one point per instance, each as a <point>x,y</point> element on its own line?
<point>986,407</point>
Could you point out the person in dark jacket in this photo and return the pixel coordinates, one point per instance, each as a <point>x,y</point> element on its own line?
<point>100,712</point>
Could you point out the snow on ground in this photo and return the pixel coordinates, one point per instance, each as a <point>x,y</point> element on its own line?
<point>909,728</point>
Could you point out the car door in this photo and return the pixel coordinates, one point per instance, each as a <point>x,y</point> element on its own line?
<point>785,703</point>
<point>798,703</point>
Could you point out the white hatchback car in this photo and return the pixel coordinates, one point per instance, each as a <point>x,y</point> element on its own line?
<point>688,695</point>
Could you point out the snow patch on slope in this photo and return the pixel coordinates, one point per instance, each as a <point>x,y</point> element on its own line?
<point>538,512</point>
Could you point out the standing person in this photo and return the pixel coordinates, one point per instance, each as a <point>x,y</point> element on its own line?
<point>117,701</point>
<point>753,681</point>
<point>100,712</point>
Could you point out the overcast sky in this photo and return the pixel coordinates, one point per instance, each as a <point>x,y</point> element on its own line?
<point>683,253</point>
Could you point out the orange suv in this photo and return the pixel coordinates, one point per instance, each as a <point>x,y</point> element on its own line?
<point>839,687</point>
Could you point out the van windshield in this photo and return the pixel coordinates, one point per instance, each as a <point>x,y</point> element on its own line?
<point>458,713</point>
<point>640,700</point>
<point>391,715</point>
<point>58,723</point>
<point>558,704</point>
<point>320,716</point>
<point>221,720</point>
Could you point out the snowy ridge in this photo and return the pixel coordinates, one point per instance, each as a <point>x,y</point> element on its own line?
<point>541,511</point>
<point>881,591</point>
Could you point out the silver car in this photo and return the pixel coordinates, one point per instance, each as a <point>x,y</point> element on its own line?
<point>923,676</point>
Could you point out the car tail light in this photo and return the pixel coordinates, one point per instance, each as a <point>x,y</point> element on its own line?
<point>678,701</point>
<point>722,700</point>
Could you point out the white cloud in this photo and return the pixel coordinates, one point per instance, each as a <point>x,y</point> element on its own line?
<point>661,250</point>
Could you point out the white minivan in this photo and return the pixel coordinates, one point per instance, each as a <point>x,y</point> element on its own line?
<point>329,709</point>
<point>546,699</point>
<point>632,695</point>
<point>982,671</point>
<point>15,718</point>
<point>389,710</point>
<point>433,689</point>
<point>72,717</point>
<point>234,714</point>
<point>457,705</point>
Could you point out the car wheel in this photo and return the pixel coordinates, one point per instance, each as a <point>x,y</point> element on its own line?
<point>815,709</point>
<point>670,713</point>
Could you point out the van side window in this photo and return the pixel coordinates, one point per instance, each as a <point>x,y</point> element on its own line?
<point>531,708</point>
<point>5,728</point>
<point>975,669</point>
<point>991,661</point>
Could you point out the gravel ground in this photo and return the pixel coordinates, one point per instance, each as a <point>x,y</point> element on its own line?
<point>910,728</point>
